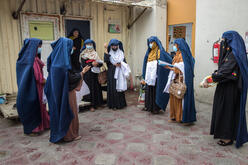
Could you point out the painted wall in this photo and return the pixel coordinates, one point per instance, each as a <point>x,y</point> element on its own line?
<point>152,23</point>
<point>212,19</point>
<point>181,12</point>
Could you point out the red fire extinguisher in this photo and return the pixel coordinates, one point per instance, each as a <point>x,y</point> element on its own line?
<point>216,51</point>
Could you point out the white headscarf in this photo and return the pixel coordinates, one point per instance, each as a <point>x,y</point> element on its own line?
<point>121,73</point>
<point>116,56</point>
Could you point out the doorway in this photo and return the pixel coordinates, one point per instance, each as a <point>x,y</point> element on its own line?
<point>82,25</point>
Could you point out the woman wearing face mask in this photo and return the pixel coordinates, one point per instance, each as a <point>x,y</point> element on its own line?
<point>118,72</point>
<point>89,57</point>
<point>182,110</point>
<point>78,43</point>
<point>31,109</point>
<point>155,76</point>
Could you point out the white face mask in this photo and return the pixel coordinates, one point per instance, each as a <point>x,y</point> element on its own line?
<point>150,45</point>
<point>89,46</point>
<point>39,51</point>
<point>174,48</point>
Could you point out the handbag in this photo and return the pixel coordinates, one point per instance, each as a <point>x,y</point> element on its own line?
<point>178,89</point>
<point>102,76</point>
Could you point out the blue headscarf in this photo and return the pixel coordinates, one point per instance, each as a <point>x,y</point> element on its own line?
<point>57,88</point>
<point>88,41</point>
<point>189,112</point>
<point>162,73</point>
<point>28,105</point>
<point>115,42</point>
<point>237,44</point>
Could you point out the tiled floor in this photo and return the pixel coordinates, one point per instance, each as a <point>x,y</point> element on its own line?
<point>124,137</point>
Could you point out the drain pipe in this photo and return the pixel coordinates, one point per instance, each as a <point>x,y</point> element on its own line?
<point>16,14</point>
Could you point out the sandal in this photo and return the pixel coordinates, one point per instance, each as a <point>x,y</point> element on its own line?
<point>172,121</point>
<point>33,134</point>
<point>144,109</point>
<point>222,143</point>
<point>77,138</point>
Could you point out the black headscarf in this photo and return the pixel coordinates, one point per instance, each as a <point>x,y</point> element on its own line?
<point>74,80</point>
<point>73,30</point>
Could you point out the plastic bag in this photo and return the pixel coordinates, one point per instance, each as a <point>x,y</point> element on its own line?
<point>44,98</point>
<point>141,98</point>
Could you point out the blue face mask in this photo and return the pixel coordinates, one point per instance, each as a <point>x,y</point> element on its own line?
<point>89,46</point>
<point>39,51</point>
<point>150,45</point>
<point>72,50</point>
<point>174,48</point>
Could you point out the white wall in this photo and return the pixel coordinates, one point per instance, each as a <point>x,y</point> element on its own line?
<point>213,17</point>
<point>151,23</point>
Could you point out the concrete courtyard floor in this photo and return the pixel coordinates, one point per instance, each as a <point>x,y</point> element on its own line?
<point>123,137</point>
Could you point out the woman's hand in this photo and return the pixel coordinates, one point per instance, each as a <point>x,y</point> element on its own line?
<point>86,69</point>
<point>74,48</point>
<point>143,82</point>
<point>205,84</point>
<point>95,64</point>
<point>168,67</point>
<point>106,48</point>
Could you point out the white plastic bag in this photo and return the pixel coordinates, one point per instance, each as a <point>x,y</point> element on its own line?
<point>83,91</point>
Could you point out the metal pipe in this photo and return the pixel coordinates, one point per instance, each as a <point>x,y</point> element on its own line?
<point>131,24</point>
<point>16,14</point>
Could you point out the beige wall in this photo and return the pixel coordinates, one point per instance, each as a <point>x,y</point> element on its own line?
<point>9,46</point>
<point>10,29</point>
<point>152,23</point>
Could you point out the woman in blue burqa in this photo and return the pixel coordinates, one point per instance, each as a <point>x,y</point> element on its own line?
<point>229,116</point>
<point>118,72</point>
<point>182,110</point>
<point>30,80</point>
<point>61,86</point>
<point>155,76</point>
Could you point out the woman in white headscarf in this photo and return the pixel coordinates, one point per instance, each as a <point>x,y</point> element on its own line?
<point>118,72</point>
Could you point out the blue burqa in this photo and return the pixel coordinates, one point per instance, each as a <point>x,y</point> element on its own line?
<point>27,103</point>
<point>237,44</point>
<point>162,98</point>
<point>57,88</point>
<point>115,42</point>
<point>189,112</point>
